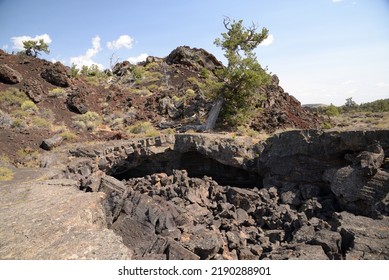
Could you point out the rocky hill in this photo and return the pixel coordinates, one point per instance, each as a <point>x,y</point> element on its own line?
<point>40,99</point>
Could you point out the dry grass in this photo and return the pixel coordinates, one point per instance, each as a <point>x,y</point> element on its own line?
<point>361,121</point>
<point>6,174</point>
<point>145,129</point>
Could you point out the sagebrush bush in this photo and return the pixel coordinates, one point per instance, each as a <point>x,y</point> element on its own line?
<point>29,106</point>
<point>13,97</point>
<point>88,121</point>
<point>6,174</point>
<point>57,92</point>
<point>143,128</point>
<point>67,135</point>
<point>40,122</point>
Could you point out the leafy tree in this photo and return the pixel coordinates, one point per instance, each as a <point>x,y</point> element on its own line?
<point>84,70</point>
<point>243,75</point>
<point>381,105</point>
<point>33,48</point>
<point>350,102</point>
<point>332,111</point>
<point>74,71</point>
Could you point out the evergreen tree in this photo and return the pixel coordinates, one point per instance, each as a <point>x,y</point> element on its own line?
<point>33,48</point>
<point>243,75</point>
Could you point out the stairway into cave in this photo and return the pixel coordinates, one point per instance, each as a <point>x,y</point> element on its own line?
<point>195,163</point>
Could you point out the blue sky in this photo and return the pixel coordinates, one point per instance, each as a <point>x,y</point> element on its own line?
<point>323,51</point>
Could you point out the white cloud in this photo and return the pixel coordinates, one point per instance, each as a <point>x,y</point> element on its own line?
<point>4,47</point>
<point>348,82</point>
<point>54,60</point>
<point>382,84</point>
<point>268,41</point>
<point>336,1</point>
<point>124,41</point>
<point>86,59</point>
<point>18,40</point>
<point>139,58</point>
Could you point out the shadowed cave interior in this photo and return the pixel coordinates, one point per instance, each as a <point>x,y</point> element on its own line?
<point>195,163</point>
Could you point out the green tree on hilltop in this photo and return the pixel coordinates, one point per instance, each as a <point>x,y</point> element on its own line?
<point>33,48</point>
<point>243,75</point>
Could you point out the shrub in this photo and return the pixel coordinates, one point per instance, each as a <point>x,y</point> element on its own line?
<point>152,76</point>
<point>138,72</point>
<point>190,93</point>
<point>92,80</point>
<point>144,128</point>
<point>40,122</point>
<point>204,73</point>
<point>151,66</point>
<point>88,121</point>
<point>152,87</point>
<point>17,123</point>
<point>67,135</point>
<point>57,92</point>
<point>28,157</point>
<point>12,97</point>
<point>29,106</point>
<point>326,125</point>
<point>74,71</point>
<point>20,114</point>
<point>169,131</point>
<point>194,81</point>
<point>247,131</point>
<point>6,174</point>
<point>4,158</point>
<point>332,111</point>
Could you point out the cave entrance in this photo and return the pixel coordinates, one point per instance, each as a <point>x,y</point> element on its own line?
<point>195,163</point>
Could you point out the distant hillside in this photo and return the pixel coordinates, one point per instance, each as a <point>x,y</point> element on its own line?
<point>313,106</point>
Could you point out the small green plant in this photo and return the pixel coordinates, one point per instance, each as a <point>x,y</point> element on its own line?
<point>142,91</point>
<point>92,80</point>
<point>194,81</point>
<point>169,131</point>
<point>189,93</point>
<point>247,131</point>
<point>57,92</point>
<point>6,174</point>
<point>67,135</point>
<point>152,87</point>
<point>152,76</point>
<point>326,125</point>
<point>19,113</point>
<point>176,99</point>
<point>29,106</point>
<point>151,66</point>
<point>204,73</point>
<point>138,72</point>
<point>40,122</point>
<point>190,131</point>
<point>74,71</point>
<point>18,123</point>
<point>4,158</point>
<point>28,157</point>
<point>88,121</point>
<point>12,97</point>
<point>144,128</point>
